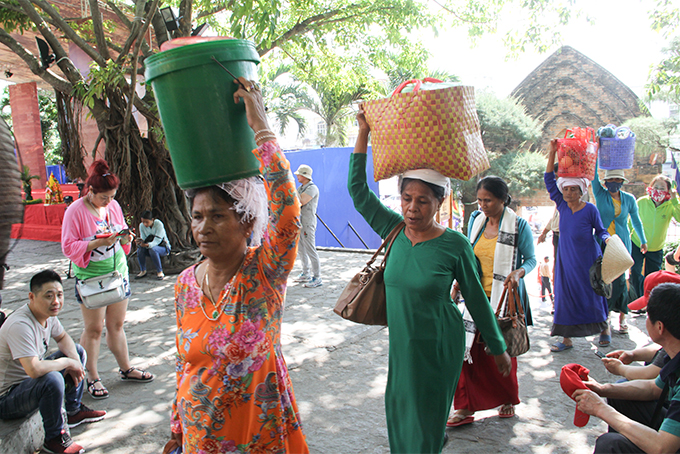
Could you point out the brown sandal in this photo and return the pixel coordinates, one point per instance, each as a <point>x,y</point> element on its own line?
<point>145,378</point>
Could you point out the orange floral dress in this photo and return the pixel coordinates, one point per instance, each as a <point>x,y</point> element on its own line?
<point>234,393</point>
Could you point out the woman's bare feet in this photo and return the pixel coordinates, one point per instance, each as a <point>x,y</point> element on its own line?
<point>506,411</point>
<point>460,417</point>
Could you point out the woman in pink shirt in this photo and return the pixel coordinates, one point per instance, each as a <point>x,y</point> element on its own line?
<point>91,239</point>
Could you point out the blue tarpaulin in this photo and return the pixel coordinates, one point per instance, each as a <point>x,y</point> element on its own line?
<point>59,173</point>
<point>330,167</point>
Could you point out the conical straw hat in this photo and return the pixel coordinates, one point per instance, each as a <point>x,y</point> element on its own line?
<point>616,260</point>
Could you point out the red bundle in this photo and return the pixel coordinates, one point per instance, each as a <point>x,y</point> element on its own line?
<point>577,153</point>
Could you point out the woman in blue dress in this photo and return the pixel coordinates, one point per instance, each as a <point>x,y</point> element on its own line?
<point>579,311</point>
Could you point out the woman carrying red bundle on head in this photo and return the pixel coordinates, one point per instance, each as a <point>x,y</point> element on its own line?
<point>579,311</point>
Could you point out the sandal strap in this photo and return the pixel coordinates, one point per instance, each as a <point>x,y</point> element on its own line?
<point>98,391</point>
<point>144,373</point>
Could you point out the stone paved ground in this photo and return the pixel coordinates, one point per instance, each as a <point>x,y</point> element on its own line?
<point>338,370</point>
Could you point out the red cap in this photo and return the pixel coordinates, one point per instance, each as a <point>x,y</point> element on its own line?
<point>651,281</point>
<point>571,379</point>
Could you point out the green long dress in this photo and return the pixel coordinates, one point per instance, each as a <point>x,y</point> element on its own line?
<point>427,338</point>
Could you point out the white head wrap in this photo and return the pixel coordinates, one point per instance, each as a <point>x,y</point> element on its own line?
<point>582,183</point>
<point>430,176</point>
<point>251,203</point>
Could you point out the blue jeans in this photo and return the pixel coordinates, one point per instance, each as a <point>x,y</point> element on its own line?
<point>46,393</point>
<point>155,252</point>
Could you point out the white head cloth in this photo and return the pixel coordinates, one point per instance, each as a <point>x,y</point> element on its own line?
<point>430,176</point>
<point>582,183</point>
<point>251,203</point>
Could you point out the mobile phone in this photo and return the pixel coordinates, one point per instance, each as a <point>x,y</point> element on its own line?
<point>600,354</point>
<point>123,232</point>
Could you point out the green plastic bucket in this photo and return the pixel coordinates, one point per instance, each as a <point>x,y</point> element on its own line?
<point>207,134</point>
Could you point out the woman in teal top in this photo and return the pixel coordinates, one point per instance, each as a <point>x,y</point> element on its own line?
<point>615,207</point>
<point>152,242</point>
<point>427,337</point>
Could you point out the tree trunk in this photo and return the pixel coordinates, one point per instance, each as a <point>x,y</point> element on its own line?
<point>147,178</point>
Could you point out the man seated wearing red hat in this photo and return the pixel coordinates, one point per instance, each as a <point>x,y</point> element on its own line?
<point>638,422</point>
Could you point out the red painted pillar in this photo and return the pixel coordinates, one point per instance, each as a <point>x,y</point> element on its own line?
<point>23,99</point>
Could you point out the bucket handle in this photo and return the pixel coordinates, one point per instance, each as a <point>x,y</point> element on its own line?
<point>229,72</point>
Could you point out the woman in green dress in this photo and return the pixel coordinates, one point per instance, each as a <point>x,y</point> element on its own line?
<point>427,337</point>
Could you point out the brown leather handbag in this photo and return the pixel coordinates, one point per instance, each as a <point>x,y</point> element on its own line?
<point>513,324</point>
<point>363,299</point>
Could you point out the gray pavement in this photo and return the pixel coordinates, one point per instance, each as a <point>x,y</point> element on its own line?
<point>338,369</point>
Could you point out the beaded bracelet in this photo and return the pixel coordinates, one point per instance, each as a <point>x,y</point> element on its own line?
<point>263,132</point>
<point>265,138</point>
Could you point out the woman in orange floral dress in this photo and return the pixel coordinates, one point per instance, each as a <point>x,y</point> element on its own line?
<point>234,393</point>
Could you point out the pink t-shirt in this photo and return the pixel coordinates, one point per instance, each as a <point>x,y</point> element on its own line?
<point>79,228</point>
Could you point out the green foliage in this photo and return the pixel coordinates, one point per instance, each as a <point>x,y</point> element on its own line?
<point>12,19</point>
<point>525,173</point>
<point>26,178</point>
<point>86,29</point>
<point>327,84</point>
<point>506,128</point>
<point>5,111</point>
<point>652,135</point>
<point>505,123</point>
<point>664,78</point>
<point>665,17</point>
<point>48,124</point>
<point>407,63</point>
<point>535,23</point>
<point>100,80</point>
<point>283,96</point>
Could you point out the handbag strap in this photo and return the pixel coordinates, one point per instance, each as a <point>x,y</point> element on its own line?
<point>514,306</point>
<point>389,239</point>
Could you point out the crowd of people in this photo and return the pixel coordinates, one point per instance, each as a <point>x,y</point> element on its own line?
<point>446,362</point>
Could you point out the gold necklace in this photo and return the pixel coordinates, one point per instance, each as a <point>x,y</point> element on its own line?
<point>219,307</point>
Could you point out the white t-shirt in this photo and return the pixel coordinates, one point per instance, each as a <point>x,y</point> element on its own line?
<point>22,336</point>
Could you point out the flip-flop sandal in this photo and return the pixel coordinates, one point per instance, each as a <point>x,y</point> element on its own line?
<point>605,340</point>
<point>560,347</point>
<point>506,415</point>
<point>125,375</point>
<point>97,393</point>
<point>623,329</point>
<point>461,420</point>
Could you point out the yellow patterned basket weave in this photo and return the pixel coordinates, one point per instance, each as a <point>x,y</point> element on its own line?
<point>426,129</point>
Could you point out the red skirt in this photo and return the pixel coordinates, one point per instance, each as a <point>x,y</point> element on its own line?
<point>481,386</point>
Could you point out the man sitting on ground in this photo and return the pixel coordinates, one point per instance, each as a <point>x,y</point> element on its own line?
<point>31,380</point>
<point>637,423</point>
